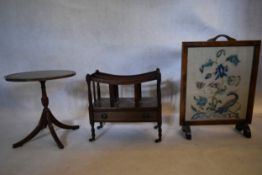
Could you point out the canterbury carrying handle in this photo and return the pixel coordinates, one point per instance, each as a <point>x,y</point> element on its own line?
<point>222,35</point>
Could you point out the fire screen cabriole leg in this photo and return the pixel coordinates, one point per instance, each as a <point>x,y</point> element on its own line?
<point>187,130</point>
<point>243,126</point>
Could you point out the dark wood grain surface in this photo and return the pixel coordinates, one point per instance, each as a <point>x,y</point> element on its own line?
<point>40,75</point>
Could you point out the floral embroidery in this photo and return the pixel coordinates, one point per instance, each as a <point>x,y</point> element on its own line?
<point>233,59</point>
<point>201,101</point>
<point>217,79</point>
<point>200,85</point>
<point>209,75</point>
<point>233,80</point>
<point>221,71</point>
<point>221,52</point>
<point>209,63</point>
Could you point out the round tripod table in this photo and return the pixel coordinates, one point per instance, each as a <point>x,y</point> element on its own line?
<point>47,118</point>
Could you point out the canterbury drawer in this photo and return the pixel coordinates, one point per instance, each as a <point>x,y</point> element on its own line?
<point>142,116</point>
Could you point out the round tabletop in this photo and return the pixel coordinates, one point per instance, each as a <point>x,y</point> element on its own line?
<point>40,75</point>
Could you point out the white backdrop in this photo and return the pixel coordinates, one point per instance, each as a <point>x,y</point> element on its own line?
<point>116,36</point>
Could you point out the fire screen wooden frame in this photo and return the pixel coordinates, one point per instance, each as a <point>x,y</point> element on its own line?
<point>218,83</point>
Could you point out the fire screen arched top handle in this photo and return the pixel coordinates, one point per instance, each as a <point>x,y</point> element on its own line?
<point>222,35</point>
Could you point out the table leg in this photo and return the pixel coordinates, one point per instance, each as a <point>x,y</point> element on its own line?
<point>52,130</point>
<point>61,125</point>
<point>41,125</point>
<point>47,119</point>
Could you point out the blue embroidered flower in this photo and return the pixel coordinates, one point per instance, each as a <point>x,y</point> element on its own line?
<point>233,59</point>
<point>221,71</point>
<point>201,101</point>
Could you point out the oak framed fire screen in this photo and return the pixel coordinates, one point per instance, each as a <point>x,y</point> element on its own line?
<point>218,83</point>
